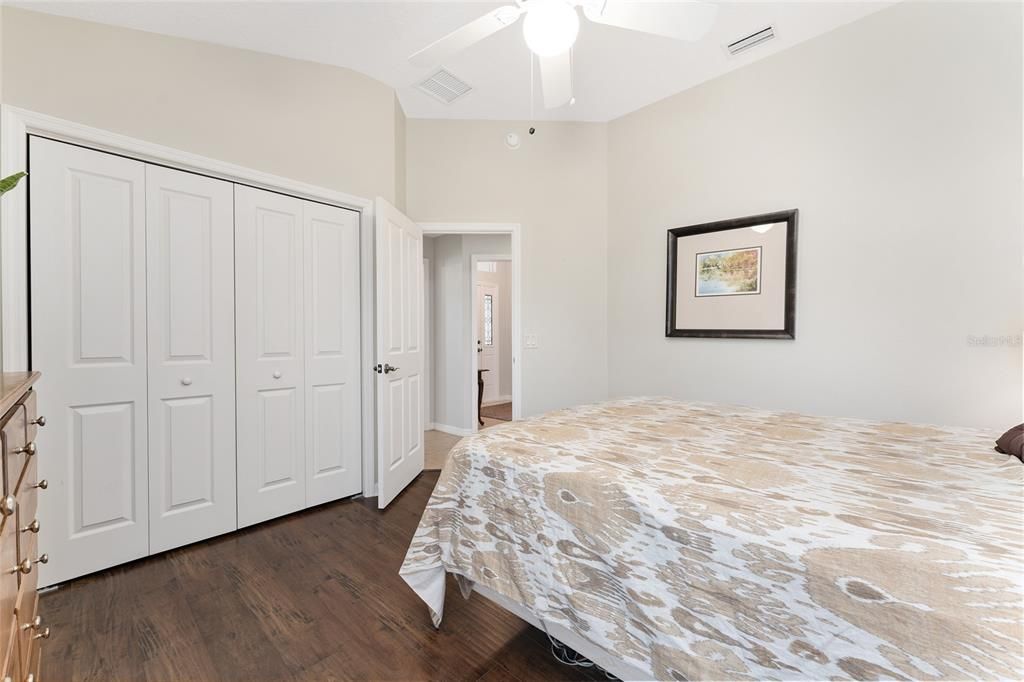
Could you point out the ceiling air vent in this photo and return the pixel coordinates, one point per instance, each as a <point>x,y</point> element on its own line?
<point>445,86</point>
<point>754,39</point>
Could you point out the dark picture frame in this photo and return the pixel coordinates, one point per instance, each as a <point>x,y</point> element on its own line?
<point>788,331</point>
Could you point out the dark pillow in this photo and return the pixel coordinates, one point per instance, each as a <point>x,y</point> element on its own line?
<point>1012,442</point>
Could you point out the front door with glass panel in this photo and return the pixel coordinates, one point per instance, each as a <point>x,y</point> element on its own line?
<point>487,339</point>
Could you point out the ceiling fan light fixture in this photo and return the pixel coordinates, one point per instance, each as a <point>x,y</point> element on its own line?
<point>550,27</point>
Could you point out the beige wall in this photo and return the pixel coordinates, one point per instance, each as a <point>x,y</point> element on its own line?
<point>899,139</point>
<point>319,124</point>
<point>555,186</point>
<point>400,153</point>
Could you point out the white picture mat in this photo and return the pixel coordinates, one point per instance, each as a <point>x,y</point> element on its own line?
<point>763,311</point>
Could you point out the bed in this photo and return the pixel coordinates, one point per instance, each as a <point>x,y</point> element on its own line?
<point>677,540</point>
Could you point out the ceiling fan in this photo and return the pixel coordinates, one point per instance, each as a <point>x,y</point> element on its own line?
<point>551,26</point>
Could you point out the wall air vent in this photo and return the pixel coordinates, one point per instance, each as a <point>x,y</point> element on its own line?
<point>445,86</point>
<point>754,39</point>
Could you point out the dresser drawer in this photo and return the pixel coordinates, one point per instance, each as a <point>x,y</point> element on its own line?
<point>30,631</point>
<point>8,579</point>
<point>15,448</point>
<point>11,665</point>
<point>31,671</point>
<point>25,453</point>
<point>31,416</point>
<point>27,496</point>
<point>29,559</point>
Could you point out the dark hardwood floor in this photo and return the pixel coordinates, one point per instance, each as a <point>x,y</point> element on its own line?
<point>313,596</point>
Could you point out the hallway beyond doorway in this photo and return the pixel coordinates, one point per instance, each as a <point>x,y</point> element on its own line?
<point>438,444</point>
<point>501,411</point>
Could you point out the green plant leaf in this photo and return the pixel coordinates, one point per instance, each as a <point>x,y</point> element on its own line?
<point>10,182</point>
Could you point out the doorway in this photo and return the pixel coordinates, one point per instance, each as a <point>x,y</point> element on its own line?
<point>473,347</point>
<point>492,338</point>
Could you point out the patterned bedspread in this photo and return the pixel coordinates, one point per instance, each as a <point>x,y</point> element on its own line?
<point>700,541</point>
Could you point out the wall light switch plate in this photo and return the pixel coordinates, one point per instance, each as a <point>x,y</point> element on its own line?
<point>531,341</point>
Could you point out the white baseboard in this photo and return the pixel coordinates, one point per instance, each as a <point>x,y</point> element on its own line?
<point>454,431</point>
<point>498,401</point>
<point>429,426</point>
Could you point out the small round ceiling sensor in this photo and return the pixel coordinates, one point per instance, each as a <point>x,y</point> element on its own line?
<point>512,141</point>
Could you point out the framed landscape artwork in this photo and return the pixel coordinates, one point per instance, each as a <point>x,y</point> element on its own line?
<point>733,278</point>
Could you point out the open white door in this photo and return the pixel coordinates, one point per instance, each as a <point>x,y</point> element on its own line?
<point>399,368</point>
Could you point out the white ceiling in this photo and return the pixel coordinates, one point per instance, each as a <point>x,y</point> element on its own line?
<point>616,71</point>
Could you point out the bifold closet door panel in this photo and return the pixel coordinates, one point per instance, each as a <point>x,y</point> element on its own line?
<point>269,322</point>
<point>333,409</point>
<point>88,284</point>
<point>191,337</point>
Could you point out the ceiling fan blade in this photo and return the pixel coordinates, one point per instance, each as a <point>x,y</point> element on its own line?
<point>556,79</point>
<point>461,38</point>
<point>685,20</point>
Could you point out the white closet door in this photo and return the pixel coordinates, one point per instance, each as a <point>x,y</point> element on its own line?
<point>191,324</point>
<point>333,410</point>
<point>270,397</point>
<point>88,253</point>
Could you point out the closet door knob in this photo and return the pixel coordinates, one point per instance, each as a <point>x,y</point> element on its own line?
<point>45,634</point>
<point>24,567</point>
<point>34,624</point>
<point>43,559</point>
<point>8,505</point>
<point>42,485</point>
<point>186,381</point>
<point>32,527</point>
<point>277,374</point>
<point>39,421</point>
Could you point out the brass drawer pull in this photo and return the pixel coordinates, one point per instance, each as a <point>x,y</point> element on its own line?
<point>34,624</point>
<point>32,527</point>
<point>39,421</point>
<point>25,565</point>
<point>42,485</point>
<point>45,634</point>
<point>28,448</point>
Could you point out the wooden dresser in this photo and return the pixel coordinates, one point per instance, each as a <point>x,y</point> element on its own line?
<point>21,627</point>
